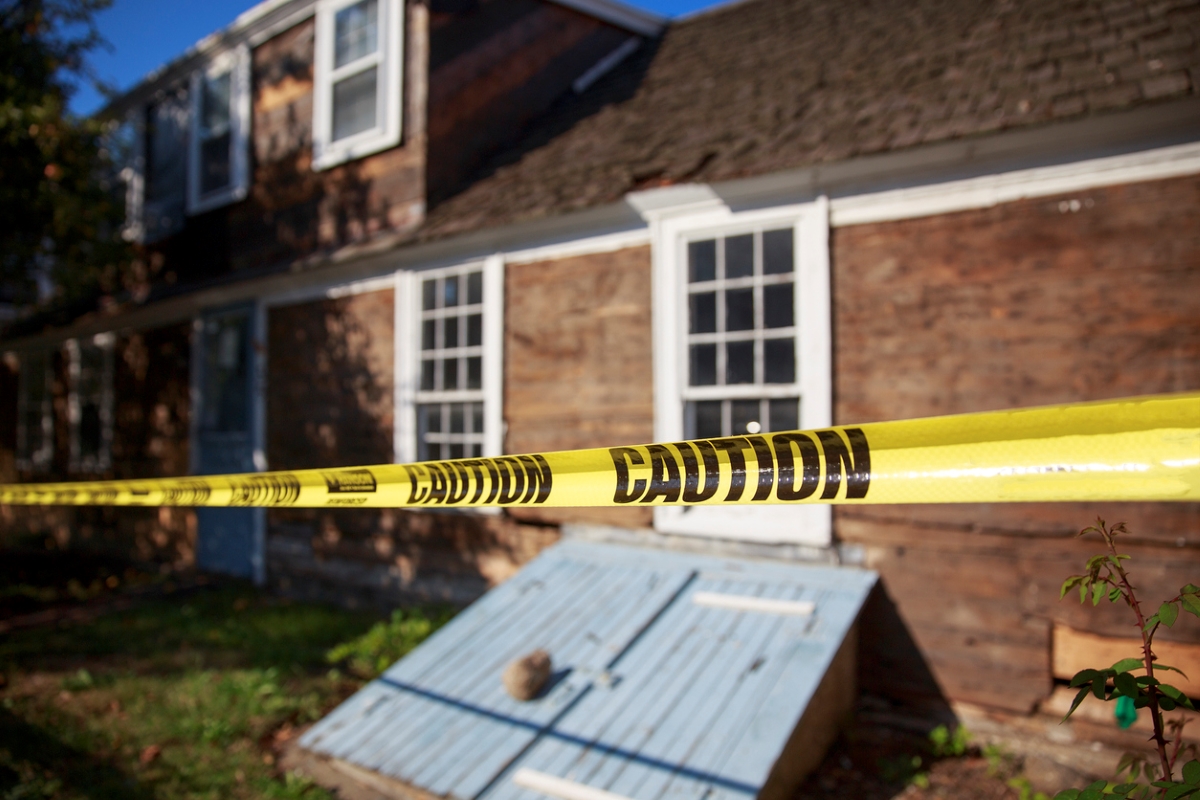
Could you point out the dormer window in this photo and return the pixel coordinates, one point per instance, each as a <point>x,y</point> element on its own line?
<point>218,169</point>
<point>357,106</point>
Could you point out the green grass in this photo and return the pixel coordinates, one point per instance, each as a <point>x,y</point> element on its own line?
<point>183,698</point>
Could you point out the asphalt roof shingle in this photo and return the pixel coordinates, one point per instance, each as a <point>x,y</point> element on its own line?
<point>766,85</point>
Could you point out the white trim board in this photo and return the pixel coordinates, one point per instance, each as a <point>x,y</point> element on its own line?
<point>1007,187</point>
<point>592,245</point>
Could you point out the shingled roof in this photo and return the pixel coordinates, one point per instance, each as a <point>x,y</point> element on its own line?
<point>765,85</point>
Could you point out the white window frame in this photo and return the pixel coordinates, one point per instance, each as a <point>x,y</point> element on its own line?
<point>40,460</point>
<point>807,524</point>
<point>408,358</point>
<point>389,98</point>
<point>236,62</point>
<point>102,460</point>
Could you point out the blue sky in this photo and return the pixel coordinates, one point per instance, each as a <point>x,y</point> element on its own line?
<point>145,34</point>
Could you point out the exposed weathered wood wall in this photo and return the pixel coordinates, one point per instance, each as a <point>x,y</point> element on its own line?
<point>1022,304</point>
<point>578,366</point>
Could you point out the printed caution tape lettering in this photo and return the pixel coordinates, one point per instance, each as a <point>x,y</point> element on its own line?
<point>1145,448</point>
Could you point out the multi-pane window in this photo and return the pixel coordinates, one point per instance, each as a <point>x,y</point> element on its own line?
<point>90,404</point>
<point>35,429</point>
<point>165,164</point>
<point>357,108</point>
<point>741,334</point>
<point>450,400</point>
<point>218,171</point>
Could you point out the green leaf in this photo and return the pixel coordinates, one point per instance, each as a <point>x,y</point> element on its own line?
<point>1191,771</point>
<point>1169,668</point>
<point>1068,584</point>
<point>1114,594</point>
<point>1191,588</point>
<point>1075,703</point>
<point>1126,685</point>
<point>1126,664</point>
<point>1067,794</point>
<point>1179,790</point>
<point>1146,680</point>
<point>1150,623</point>
<point>1097,593</point>
<point>1094,791</point>
<point>1082,592</point>
<point>1166,704</point>
<point>1083,676</point>
<point>1174,694</point>
<point>1098,687</point>
<point>1124,788</point>
<point>1168,612</point>
<point>1191,603</point>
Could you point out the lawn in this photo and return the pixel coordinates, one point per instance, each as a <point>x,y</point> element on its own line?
<point>187,694</point>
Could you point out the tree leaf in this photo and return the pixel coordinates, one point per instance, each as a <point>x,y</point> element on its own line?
<point>1179,790</point>
<point>1166,703</point>
<point>1191,588</point>
<point>1169,668</point>
<point>1191,771</point>
<point>1098,687</point>
<point>1094,791</point>
<point>1067,794</point>
<point>1146,680</point>
<point>1126,664</point>
<point>1179,697</point>
<point>1075,703</point>
<point>1168,612</point>
<point>1097,593</point>
<point>1126,685</point>
<point>1070,582</point>
<point>1083,676</point>
<point>1150,622</point>
<point>1191,603</point>
<point>1114,594</point>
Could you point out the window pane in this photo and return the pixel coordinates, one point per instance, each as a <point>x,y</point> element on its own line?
<point>428,295</point>
<point>450,332</point>
<point>703,317</point>
<point>739,310</point>
<point>427,371</point>
<point>456,417</point>
<point>474,330</point>
<point>702,261</point>
<point>474,372</point>
<point>427,335</point>
<point>739,362</point>
<point>450,373</point>
<point>456,451</point>
<point>431,419</point>
<point>354,104</point>
<point>215,164</point>
<point>785,415</point>
<point>450,292</point>
<point>356,32</point>
<point>708,419</point>
<point>779,361</point>
<point>475,288</point>
<point>477,417</point>
<point>739,256</point>
<point>777,305</point>
<point>703,366</point>
<point>214,105</point>
<point>225,388</point>
<point>90,429</point>
<point>777,251</point>
<point>741,416</point>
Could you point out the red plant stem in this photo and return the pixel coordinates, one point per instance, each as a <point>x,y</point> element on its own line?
<point>1160,741</point>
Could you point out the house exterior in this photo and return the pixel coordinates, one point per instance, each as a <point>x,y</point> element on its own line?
<point>392,230</point>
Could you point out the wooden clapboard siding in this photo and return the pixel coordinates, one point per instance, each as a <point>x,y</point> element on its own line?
<point>1021,304</point>
<point>578,362</point>
<point>1077,650</point>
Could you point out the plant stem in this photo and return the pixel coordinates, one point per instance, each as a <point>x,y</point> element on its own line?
<point>1160,741</point>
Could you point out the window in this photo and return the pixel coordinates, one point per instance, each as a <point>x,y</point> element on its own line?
<point>218,168</point>
<point>742,330</point>
<point>450,349</point>
<point>357,101</point>
<point>165,165</point>
<point>35,425</point>
<point>89,403</point>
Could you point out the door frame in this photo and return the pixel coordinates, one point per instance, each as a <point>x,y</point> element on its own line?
<point>257,355</point>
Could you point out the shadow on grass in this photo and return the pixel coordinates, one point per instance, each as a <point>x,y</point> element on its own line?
<point>32,761</point>
<point>233,626</point>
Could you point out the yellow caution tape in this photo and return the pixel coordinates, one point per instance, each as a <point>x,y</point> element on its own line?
<point>1145,448</point>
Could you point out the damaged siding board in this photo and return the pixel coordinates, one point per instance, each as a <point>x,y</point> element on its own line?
<point>652,694</point>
